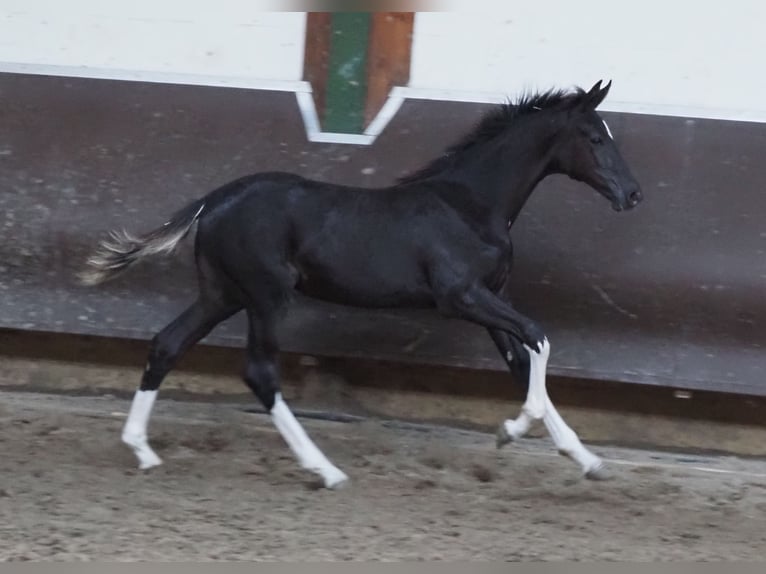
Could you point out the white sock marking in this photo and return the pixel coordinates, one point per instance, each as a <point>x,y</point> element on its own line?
<point>567,441</point>
<point>308,454</point>
<point>134,433</point>
<point>608,131</point>
<point>534,406</point>
<point>539,406</point>
<point>519,427</point>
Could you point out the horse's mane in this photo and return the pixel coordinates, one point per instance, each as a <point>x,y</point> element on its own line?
<point>494,123</point>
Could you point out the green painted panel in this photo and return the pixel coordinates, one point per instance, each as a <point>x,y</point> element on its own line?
<point>347,78</point>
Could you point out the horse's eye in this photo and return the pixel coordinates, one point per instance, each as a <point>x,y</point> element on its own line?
<point>596,140</point>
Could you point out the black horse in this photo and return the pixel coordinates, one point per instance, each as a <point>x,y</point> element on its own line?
<point>438,238</point>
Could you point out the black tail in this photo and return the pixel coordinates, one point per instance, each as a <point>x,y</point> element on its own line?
<point>122,250</point>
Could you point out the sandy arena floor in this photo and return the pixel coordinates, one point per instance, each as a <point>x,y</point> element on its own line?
<point>229,490</point>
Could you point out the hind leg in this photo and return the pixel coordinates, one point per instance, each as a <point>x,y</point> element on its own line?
<point>262,378</point>
<point>166,349</point>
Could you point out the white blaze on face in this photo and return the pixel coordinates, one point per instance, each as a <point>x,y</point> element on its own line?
<point>608,131</point>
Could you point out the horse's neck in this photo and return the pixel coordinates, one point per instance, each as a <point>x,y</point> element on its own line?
<point>517,196</point>
<point>504,179</point>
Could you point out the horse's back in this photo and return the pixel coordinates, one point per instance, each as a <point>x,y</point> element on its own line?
<point>351,245</point>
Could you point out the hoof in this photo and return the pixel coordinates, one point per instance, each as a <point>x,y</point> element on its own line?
<point>598,472</point>
<point>502,437</point>
<point>147,458</point>
<point>147,464</point>
<point>336,480</point>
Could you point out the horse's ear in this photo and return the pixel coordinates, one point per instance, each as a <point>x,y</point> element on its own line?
<point>602,95</point>
<point>594,90</point>
<point>596,95</point>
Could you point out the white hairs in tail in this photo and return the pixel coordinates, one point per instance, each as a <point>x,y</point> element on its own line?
<point>124,249</point>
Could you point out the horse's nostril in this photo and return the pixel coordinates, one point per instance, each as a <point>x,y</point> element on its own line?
<point>635,197</point>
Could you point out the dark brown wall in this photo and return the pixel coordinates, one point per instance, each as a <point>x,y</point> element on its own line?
<point>670,293</point>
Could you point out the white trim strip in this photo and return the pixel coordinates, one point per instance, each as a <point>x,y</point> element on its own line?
<point>396,98</point>
<point>314,132</point>
<point>156,77</point>
<point>376,127</point>
<point>691,112</point>
<point>308,111</point>
<point>448,95</point>
<point>340,138</point>
<point>385,115</point>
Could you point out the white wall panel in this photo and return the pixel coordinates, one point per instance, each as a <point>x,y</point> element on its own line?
<point>683,58</point>
<point>221,38</point>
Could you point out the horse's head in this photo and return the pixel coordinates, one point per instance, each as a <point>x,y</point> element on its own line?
<point>586,152</point>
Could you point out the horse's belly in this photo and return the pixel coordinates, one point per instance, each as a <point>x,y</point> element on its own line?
<point>361,282</point>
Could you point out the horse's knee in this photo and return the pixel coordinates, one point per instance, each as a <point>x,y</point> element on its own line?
<point>534,340</point>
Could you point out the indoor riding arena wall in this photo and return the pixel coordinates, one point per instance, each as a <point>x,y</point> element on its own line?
<point>655,312</point>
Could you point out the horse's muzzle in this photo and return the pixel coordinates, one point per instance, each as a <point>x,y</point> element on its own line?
<point>630,200</point>
<point>634,198</point>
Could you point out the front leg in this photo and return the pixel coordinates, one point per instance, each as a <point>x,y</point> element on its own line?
<point>480,305</point>
<point>514,354</point>
<point>566,440</point>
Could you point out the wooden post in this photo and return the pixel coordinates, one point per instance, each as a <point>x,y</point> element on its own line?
<point>352,61</point>
<point>388,58</point>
